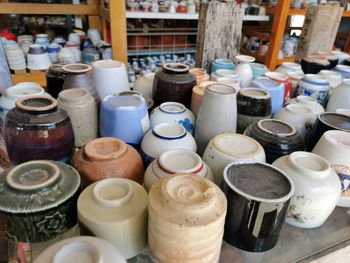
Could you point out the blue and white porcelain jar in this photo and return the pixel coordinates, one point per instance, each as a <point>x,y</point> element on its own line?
<point>316,86</point>
<point>173,112</point>
<point>344,70</point>
<point>53,49</point>
<point>42,40</point>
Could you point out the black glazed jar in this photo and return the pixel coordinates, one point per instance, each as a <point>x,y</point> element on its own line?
<point>55,77</point>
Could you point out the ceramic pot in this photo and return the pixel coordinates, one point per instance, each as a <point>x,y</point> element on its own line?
<point>73,249</point>
<point>42,40</point>
<point>37,57</point>
<point>83,113</point>
<point>94,35</point>
<point>78,77</point>
<point>15,58</point>
<point>195,220</point>
<point>197,95</point>
<point>244,70</point>
<point>300,116</point>
<point>258,196</point>
<point>344,70</point>
<point>217,114</point>
<point>75,49</point>
<point>90,55</point>
<point>340,97</point>
<point>285,80</point>
<point>200,74</point>
<point>234,83</point>
<point>328,121</point>
<point>316,86</point>
<point>173,112</point>
<point>39,200</point>
<point>124,117</point>
<point>144,84</point>
<point>221,63</point>
<point>275,89</point>
<point>295,78</point>
<point>163,137</point>
<point>343,172</point>
<point>278,138</point>
<point>176,162</point>
<point>288,67</point>
<point>343,111</point>
<point>315,107</point>
<point>106,73</point>
<point>115,209</point>
<point>226,148</point>
<point>74,37</point>
<point>253,104</point>
<point>38,130</point>
<point>317,189</point>
<point>258,69</point>
<point>341,56</point>
<point>55,79</point>
<point>173,83</point>
<point>334,78</point>
<point>149,100</point>
<point>314,65</point>
<point>53,50</point>
<point>66,56</point>
<point>23,38</point>
<point>224,73</point>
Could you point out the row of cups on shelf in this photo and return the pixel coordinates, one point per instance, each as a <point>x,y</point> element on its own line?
<point>170,6</point>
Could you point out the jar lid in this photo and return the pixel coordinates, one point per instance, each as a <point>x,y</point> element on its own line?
<point>37,186</point>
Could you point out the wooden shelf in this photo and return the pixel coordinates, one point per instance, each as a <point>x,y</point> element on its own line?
<point>301,12</point>
<point>38,77</point>
<point>280,61</point>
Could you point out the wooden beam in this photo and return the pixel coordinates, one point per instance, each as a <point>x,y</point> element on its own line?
<point>47,9</point>
<point>104,13</point>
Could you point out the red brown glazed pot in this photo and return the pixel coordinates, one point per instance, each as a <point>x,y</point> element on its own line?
<point>108,158</point>
<point>173,83</point>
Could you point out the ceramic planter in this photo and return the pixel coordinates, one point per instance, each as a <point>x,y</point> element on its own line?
<point>217,114</point>
<point>316,86</point>
<point>340,97</point>
<point>176,162</point>
<point>244,70</point>
<point>186,210</point>
<point>221,63</point>
<point>173,83</point>
<point>116,210</point>
<point>258,196</point>
<point>38,200</point>
<point>83,113</point>
<point>38,130</point>
<point>173,112</point>
<point>317,189</point>
<point>108,158</point>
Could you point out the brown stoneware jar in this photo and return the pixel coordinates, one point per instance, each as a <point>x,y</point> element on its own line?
<point>108,157</point>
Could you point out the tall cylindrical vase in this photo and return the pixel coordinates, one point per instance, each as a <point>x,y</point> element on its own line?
<point>217,114</point>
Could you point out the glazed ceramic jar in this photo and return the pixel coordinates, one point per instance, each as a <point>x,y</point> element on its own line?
<point>258,196</point>
<point>315,107</point>
<point>186,210</point>
<point>334,78</point>
<point>244,70</point>
<point>340,97</point>
<point>53,49</point>
<point>107,158</point>
<point>285,80</point>
<point>288,67</point>
<point>124,117</point>
<point>341,56</point>
<point>144,84</point>
<point>37,58</point>
<point>344,70</point>
<point>15,58</point>
<point>224,73</point>
<point>221,63</point>
<point>38,130</point>
<point>38,200</point>
<point>174,162</point>
<point>66,56</point>
<point>197,95</point>
<point>110,77</point>
<point>83,113</point>
<point>317,188</point>
<point>173,112</point>
<point>253,104</point>
<point>42,39</point>
<point>295,78</point>
<point>226,148</point>
<point>200,74</point>
<point>343,111</point>
<point>343,172</point>
<point>258,69</point>
<point>81,249</point>
<point>217,114</point>
<point>78,77</point>
<point>163,137</point>
<point>55,79</point>
<point>115,209</point>
<point>173,83</point>
<point>278,138</point>
<point>316,86</point>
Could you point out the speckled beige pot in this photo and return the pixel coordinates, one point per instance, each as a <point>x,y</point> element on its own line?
<point>83,112</point>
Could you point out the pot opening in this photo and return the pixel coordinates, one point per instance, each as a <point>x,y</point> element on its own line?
<point>38,103</point>
<point>172,107</point>
<point>180,161</point>
<point>105,148</point>
<point>169,131</point>
<point>176,67</point>
<point>82,250</point>
<point>276,127</point>
<point>76,68</point>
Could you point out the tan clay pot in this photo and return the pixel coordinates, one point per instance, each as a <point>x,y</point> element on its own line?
<point>108,158</point>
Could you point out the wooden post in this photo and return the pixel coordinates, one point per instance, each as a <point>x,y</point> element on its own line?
<point>319,30</point>
<point>219,32</point>
<point>95,21</point>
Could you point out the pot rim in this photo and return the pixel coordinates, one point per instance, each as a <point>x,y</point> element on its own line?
<point>69,68</point>
<point>52,105</point>
<point>293,130</point>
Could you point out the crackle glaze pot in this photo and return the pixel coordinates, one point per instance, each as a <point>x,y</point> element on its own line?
<point>107,158</point>
<point>186,210</point>
<point>317,188</point>
<point>38,200</point>
<point>37,129</point>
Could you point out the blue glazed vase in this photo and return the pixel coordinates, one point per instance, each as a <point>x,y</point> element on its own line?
<point>221,63</point>
<point>124,117</point>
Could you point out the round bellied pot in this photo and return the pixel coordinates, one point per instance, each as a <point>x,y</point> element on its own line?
<point>115,209</point>
<point>344,70</point>
<point>38,200</point>
<point>288,67</point>
<point>55,79</point>
<point>163,137</point>
<point>186,210</point>
<point>340,97</point>
<point>217,113</point>
<point>258,196</point>
<point>38,130</point>
<point>176,162</point>
<point>334,78</point>
<point>82,110</point>
<point>253,104</point>
<point>173,112</point>
<point>107,158</point>
<point>173,83</point>
<point>197,95</point>
<point>83,249</point>
<point>226,148</point>
<point>317,188</point>
<point>258,69</point>
<point>79,77</point>
<point>277,137</point>
<point>221,63</point>
<point>315,107</point>
<point>316,86</point>
<point>244,70</point>
<point>314,65</point>
<point>37,58</point>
